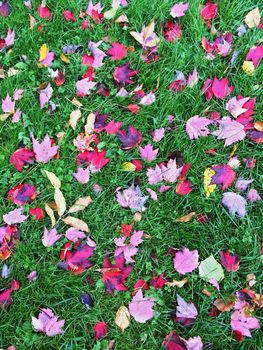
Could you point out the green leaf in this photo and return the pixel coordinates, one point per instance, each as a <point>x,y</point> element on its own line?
<point>210,268</point>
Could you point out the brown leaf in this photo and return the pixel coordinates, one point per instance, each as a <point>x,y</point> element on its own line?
<point>224,306</point>
<point>76,223</point>
<point>50,213</point>
<point>60,201</point>
<point>74,118</point>
<point>252,19</point>
<point>187,217</point>
<point>32,22</point>
<point>258,125</point>
<point>80,204</point>
<point>178,284</point>
<point>206,292</point>
<point>251,279</point>
<point>122,318</point>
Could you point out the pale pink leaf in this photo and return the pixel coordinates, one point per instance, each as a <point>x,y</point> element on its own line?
<point>49,238</point>
<point>197,126</point>
<point>178,10</point>
<point>14,217</point>
<point>170,171</point>
<point>48,323</point>
<point>158,134</point>
<point>148,153</point>
<point>184,309</point>
<point>186,260</point>
<point>84,86</point>
<point>73,234</point>
<point>230,131</point>
<point>8,106</point>
<point>152,194</point>
<point>193,78</point>
<point>148,99</point>
<point>253,195</point>
<point>44,151</point>
<point>82,175</point>
<point>243,323</point>
<point>97,53</point>
<point>141,308</point>
<point>154,175</point>
<point>194,343</point>
<point>235,203</point>
<point>234,106</point>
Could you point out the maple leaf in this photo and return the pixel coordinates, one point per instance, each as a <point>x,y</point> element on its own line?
<point>186,260</point>
<point>114,275</point>
<point>44,12</point>
<point>235,106</point>
<point>6,295</point>
<point>113,127</point>
<point>82,175</point>
<point>100,330</point>
<point>147,37</point>
<point>8,106</point>
<point>229,261</point>
<point>173,342</point>
<point>253,195</point>
<point>193,78</point>
<point>45,95</point>
<point>141,308</point>
<point>154,175</point>
<point>129,139</point>
<point>194,343</point>
<point>229,130</point>
<point>158,134</point>
<point>22,194</point>
<point>123,74</point>
<point>186,313</point>
<point>235,203</point>
<point>48,323</point>
<point>73,234</point>
<point>94,159</point>
<point>255,54</point>
<point>172,31</point>
<point>97,54</point>
<point>224,176</point>
<point>178,10</point>
<point>132,198</point>
<point>220,88</point>
<point>209,11</point>
<point>21,157</point>
<point>44,151</point>
<point>148,99</point>
<point>14,217</point>
<point>117,51</point>
<point>243,323</point>
<point>69,16</point>
<point>148,153</point>
<point>5,8</point>
<point>84,87</point>
<point>197,126</point>
<point>242,185</point>
<point>50,237</point>
<point>37,212</point>
<point>94,11</point>
<point>170,172</point>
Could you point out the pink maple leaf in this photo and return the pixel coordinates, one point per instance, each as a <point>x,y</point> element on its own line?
<point>148,99</point>
<point>152,194</point>
<point>148,153</point>
<point>220,88</point>
<point>18,94</point>
<point>229,261</point>
<point>158,134</point>
<point>132,198</point>
<point>69,16</point>
<point>242,184</point>
<point>97,54</point>
<point>100,330</point>
<point>235,106</point>
<point>10,38</point>
<point>44,12</point>
<point>82,175</point>
<point>48,323</point>
<point>224,175</point>
<point>170,171</point>
<point>128,250</point>
<point>253,195</point>
<point>117,51</point>
<point>186,313</point>
<point>193,78</point>
<point>44,151</point>
<point>235,203</point>
<point>178,10</point>
<point>186,260</point>
<point>73,234</point>
<point>255,54</point>
<point>8,106</point>
<point>242,323</point>
<point>14,217</point>
<point>141,308</point>
<point>84,87</point>
<point>113,127</point>
<point>229,130</point>
<point>197,126</point>
<point>50,237</point>
<point>194,343</point>
<point>154,175</point>
<point>45,95</point>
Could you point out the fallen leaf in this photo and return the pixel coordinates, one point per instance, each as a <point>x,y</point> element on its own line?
<point>235,203</point>
<point>186,260</point>
<point>77,223</point>
<point>122,318</point>
<point>54,180</point>
<point>50,213</point>
<point>187,217</point>
<point>80,204</point>
<point>211,269</point>
<point>60,201</point>
<point>74,118</point>
<point>140,308</point>
<point>50,237</point>
<point>252,19</point>
<point>178,284</point>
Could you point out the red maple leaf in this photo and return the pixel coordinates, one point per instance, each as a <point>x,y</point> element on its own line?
<point>229,261</point>
<point>21,157</point>
<point>129,139</point>
<point>94,159</point>
<point>224,176</point>
<point>123,74</point>
<point>114,275</point>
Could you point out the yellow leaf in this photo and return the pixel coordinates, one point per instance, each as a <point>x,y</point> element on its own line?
<point>42,52</point>
<point>74,118</point>
<point>252,19</point>
<point>76,223</point>
<point>208,173</point>
<point>50,213</point>
<point>54,180</point>
<point>4,116</point>
<point>128,166</point>
<point>80,204</point>
<point>32,22</point>
<point>178,284</point>
<point>89,127</point>
<point>111,13</point>
<point>60,201</point>
<point>233,151</point>
<point>122,318</point>
<point>64,58</point>
<point>248,67</point>
<point>76,102</point>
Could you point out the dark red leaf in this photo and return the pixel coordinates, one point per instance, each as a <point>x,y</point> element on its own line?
<point>220,88</point>
<point>172,31</point>
<point>129,139</point>
<point>158,282</point>
<point>173,342</point>
<point>21,157</point>
<point>229,261</point>
<point>60,79</point>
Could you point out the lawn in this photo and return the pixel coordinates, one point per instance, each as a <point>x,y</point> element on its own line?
<point>210,228</point>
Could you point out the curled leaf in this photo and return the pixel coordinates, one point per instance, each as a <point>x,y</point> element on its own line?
<point>77,223</point>
<point>122,318</point>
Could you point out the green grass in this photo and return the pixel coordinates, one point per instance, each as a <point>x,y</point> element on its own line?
<point>61,290</point>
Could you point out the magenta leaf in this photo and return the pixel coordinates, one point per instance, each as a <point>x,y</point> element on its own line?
<point>21,157</point>
<point>220,88</point>
<point>117,51</point>
<point>186,260</point>
<point>141,308</point>
<point>229,261</point>
<point>129,139</point>
<point>224,176</point>
<point>123,74</point>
